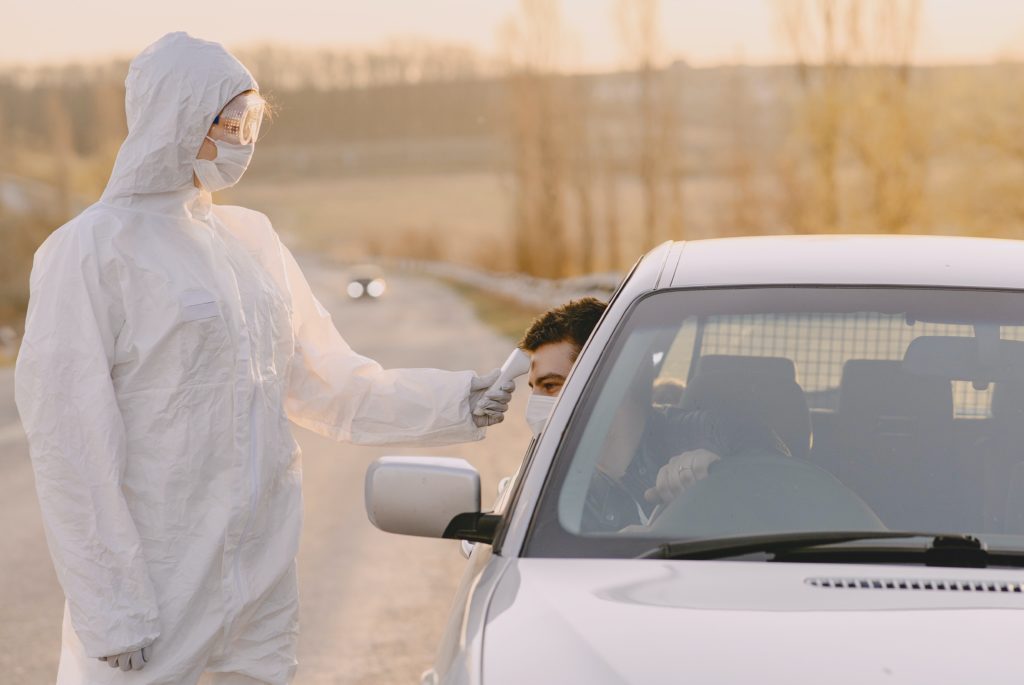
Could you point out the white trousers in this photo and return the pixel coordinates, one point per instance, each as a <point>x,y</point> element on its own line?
<point>229,679</point>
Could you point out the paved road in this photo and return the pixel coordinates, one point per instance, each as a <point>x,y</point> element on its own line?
<point>373,605</point>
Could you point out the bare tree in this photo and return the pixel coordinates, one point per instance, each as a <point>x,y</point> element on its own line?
<point>853,61</point>
<point>670,146</point>
<point>582,170</point>
<point>744,213</point>
<point>889,136</point>
<point>534,40</point>
<point>638,27</point>
<point>5,148</point>
<point>62,150</point>
<point>822,50</point>
<point>606,160</point>
<point>396,62</point>
<point>637,21</point>
<point>659,166</point>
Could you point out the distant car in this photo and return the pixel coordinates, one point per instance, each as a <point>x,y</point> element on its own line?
<point>863,521</point>
<point>366,281</point>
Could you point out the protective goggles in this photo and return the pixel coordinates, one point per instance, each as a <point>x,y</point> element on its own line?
<point>239,121</point>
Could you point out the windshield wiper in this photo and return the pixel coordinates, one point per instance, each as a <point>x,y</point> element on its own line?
<point>771,543</point>
<point>937,549</point>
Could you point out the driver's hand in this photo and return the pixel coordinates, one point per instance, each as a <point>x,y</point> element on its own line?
<point>679,473</point>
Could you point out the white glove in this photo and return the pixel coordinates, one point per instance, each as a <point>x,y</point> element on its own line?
<point>679,473</point>
<point>495,403</point>
<point>129,661</point>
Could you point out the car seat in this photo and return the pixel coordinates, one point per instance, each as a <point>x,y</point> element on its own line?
<point>765,387</point>
<point>894,434</point>
<point>1000,456</point>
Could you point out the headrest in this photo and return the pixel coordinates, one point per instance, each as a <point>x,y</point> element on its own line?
<point>1008,401</point>
<point>760,387</point>
<point>876,387</point>
<point>776,367</point>
<point>668,391</point>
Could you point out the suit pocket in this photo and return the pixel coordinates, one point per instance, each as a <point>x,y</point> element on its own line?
<point>197,305</point>
<point>203,338</point>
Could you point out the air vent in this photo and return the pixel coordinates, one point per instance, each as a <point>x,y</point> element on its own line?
<point>919,584</point>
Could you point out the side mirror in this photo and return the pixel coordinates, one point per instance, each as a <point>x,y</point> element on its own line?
<point>482,520</point>
<point>423,496</point>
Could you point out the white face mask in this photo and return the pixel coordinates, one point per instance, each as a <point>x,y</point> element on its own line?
<point>226,170</point>
<point>538,409</point>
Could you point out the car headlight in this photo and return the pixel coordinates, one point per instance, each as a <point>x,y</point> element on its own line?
<point>355,290</point>
<point>376,288</point>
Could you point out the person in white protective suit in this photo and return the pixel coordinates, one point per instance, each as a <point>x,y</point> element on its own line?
<point>168,342</point>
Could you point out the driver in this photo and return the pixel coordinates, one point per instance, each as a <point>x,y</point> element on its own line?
<point>655,452</point>
<point>662,440</point>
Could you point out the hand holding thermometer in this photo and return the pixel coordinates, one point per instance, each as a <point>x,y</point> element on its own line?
<point>517,364</point>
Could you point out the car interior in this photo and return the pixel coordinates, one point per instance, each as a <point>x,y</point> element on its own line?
<point>895,409</point>
<point>890,433</point>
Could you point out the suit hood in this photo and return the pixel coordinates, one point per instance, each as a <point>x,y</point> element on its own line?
<point>173,91</point>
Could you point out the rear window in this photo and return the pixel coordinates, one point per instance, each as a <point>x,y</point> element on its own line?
<point>820,344</point>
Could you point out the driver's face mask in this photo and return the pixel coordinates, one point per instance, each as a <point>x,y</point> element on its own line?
<point>538,409</point>
<point>234,133</point>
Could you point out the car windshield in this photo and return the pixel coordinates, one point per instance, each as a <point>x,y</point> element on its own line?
<point>782,409</point>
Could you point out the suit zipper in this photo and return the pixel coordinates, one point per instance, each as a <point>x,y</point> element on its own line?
<point>254,484</point>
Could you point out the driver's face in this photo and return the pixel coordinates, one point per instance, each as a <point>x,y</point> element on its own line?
<point>551,366</point>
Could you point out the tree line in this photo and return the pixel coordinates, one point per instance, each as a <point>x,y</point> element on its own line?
<point>850,136</point>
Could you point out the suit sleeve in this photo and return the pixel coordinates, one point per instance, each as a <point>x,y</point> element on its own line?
<point>336,392</point>
<point>67,404</point>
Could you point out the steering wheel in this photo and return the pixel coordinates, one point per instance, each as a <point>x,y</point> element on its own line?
<point>756,492</point>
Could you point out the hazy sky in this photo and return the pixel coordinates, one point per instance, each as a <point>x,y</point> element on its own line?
<point>700,31</point>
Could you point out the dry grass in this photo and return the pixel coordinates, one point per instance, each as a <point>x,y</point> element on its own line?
<point>460,217</point>
<point>505,316</point>
<point>463,218</point>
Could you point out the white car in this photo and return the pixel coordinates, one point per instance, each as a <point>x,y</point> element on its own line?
<point>863,521</point>
<point>366,281</point>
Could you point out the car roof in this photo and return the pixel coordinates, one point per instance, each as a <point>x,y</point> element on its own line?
<point>943,261</point>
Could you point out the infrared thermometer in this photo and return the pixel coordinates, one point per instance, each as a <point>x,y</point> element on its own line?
<point>517,364</point>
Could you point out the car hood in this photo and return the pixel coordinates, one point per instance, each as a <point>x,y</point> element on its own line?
<point>651,621</point>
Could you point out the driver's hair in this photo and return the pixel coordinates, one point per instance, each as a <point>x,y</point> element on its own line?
<point>573,322</point>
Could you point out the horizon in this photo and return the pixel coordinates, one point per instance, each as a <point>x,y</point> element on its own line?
<point>495,69</point>
<point>700,34</point>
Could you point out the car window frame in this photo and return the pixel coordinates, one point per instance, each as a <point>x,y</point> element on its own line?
<point>627,547</point>
<point>509,501</point>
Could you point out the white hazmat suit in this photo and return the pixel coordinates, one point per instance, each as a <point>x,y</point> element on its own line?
<point>168,342</point>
